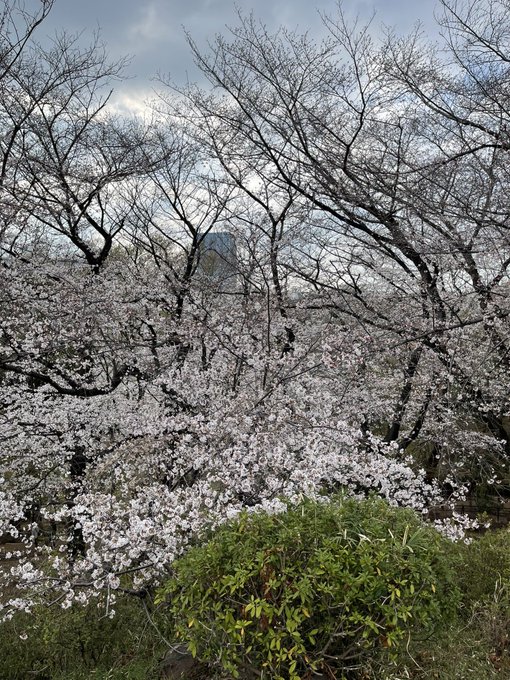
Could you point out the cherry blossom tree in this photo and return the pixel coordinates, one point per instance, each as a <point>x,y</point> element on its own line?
<point>397,152</point>
<point>363,345</point>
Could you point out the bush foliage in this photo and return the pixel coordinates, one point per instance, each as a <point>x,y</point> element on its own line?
<point>316,588</point>
<point>483,566</point>
<point>79,643</point>
<point>289,599</point>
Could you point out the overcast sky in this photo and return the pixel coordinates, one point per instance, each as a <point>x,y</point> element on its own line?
<point>152,31</point>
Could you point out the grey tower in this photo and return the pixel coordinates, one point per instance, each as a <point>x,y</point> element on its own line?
<point>218,260</point>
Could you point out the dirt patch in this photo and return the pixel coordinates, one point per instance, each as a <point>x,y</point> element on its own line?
<point>180,665</point>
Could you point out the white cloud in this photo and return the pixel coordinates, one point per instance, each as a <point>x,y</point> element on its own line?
<point>131,102</point>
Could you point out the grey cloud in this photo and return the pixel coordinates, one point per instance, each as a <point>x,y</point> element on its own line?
<point>152,30</point>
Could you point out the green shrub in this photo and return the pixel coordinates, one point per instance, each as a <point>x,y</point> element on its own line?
<point>483,566</point>
<point>56,644</point>
<point>313,589</point>
<point>483,576</point>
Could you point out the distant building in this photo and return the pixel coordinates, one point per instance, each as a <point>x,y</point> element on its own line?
<point>218,260</point>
